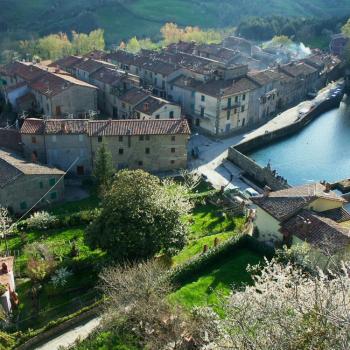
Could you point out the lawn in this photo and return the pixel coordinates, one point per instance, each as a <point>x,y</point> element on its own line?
<point>220,279</point>
<point>208,219</point>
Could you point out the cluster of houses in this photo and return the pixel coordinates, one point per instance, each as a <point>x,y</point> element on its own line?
<point>310,213</point>
<point>140,106</point>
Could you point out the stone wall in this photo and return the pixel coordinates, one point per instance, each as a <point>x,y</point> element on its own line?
<point>11,139</point>
<point>267,176</point>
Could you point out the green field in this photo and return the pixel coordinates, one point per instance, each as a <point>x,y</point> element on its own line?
<point>122,19</point>
<point>219,280</point>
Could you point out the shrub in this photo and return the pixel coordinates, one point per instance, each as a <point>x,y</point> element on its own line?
<point>196,266</point>
<point>41,220</point>
<point>59,279</point>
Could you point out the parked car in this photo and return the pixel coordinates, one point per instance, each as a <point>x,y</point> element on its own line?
<point>250,192</point>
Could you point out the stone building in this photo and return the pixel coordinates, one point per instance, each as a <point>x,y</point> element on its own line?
<point>58,142</point>
<point>22,184</point>
<point>157,108</point>
<point>222,106</point>
<point>59,94</point>
<point>112,84</point>
<point>338,44</point>
<point>154,145</point>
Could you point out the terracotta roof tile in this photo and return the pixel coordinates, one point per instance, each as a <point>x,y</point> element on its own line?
<point>138,127</point>
<point>317,230</point>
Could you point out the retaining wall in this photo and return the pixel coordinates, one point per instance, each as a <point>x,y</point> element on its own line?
<point>266,176</point>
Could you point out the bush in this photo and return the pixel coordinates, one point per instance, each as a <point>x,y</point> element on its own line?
<point>196,266</point>
<point>41,220</point>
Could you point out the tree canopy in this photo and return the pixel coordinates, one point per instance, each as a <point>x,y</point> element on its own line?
<point>103,170</point>
<point>140,217</point>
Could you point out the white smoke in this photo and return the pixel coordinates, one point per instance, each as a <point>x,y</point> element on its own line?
<point>291,51</point>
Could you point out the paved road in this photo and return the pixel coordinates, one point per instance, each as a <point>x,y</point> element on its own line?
<point>67,339</point>
<point>212,153</point>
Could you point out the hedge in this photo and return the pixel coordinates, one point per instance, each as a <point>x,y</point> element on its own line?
<point>24,337</point>
<point>196,266</point>
<point>81,218</point>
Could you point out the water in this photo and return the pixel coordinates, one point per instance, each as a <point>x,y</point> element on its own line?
<point>321,151</point>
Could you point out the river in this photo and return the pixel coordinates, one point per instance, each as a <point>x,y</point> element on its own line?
<point>321,151</point>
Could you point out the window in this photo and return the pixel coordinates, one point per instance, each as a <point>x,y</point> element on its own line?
<point>173,150</point>
<point>147,150</point>
<point>137,115</point>
<point>33,139</point>
<point>202,111</point>
<point>41,184</point>
<point>235,111</point>
<point>23,205</point>
<point>171,115</point>
<point>147,137</point>
<point>120,138</point>
<point>141,138</point>
<point>243,108</point>
<point>121,151</point>
<point>236,99</point>
<point>157,116</point>
<point>229,102</point>
<point>243,97</point>
<point>202,98</point>
<point>173,138</point>
<point>80,170</point>
<point>53,195</point>
<point>228,114</point>
<point>52,182</point>
<point>99,139</point>
<point>172,161</point>
<point>140,163</point>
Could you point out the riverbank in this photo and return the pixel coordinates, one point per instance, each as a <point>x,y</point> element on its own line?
<point>288,123</point>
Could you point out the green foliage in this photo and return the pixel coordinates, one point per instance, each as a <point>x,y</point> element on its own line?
<point>107,340</point>
<point>281,40</point>
<point>103,170</point>
<point>196,266</point>
<point>140,217</point>
<point>298,28</point>
<point>346,28</point>
<point>55,46</point>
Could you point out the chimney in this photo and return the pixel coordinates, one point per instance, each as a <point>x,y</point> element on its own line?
<point>267,191</point>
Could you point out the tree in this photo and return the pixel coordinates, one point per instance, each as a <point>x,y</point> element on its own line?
<point>133,45</point>
<point>140,217</point>
<point>287,308</point>
<point>346,29</point>
<point>5,224</point>
<point>137,303</point>
<point>54,46</point>
<point>281,40</point>
<point>103,170</point>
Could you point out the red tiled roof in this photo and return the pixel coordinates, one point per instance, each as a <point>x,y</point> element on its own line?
<point>138,127</point>
<point>67,62</point>
<point>106,127</point>
<point>134,96</point>
<point>285,203</point>
<point>317,230</point>
<point>52,84</point>
<point>24,70</point>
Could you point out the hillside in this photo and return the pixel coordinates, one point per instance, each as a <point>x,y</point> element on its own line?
<point>122,19</point>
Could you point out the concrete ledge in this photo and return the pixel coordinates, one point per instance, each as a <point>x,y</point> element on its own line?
<point>59,329</point>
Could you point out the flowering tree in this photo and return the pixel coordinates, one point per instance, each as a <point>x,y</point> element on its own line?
<point>287,309</point>
<point>5,223</point>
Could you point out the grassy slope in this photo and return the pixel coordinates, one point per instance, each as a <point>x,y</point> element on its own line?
<point>122,19</point>
<point>219,280</point>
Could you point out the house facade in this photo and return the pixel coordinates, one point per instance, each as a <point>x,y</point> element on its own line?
<point>310,214</point>
<point>23,184</point>
<point>155,145</point>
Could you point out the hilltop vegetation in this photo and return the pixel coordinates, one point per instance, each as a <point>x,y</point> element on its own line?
<point>122,19</point>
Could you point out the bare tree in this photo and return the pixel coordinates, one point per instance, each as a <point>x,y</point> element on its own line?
<point>137,301</point>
